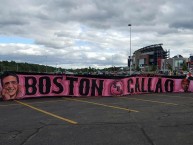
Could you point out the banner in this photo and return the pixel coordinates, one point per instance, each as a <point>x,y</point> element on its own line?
<point>34,85</point>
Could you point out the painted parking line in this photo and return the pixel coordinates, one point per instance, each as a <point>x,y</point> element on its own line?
<point>99,104</point>
<point>36,102</point>
<point>47,113</point>
<point>153,101</point>
<point>177,96</point>
<point>50,101</point>
<point>6,105</point>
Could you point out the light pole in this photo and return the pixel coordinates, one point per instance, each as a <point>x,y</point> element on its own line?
<point>46,63</point>
<point>112,61</point>
<point>130,51</point>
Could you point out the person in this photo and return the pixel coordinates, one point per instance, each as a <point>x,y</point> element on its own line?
<point>189,74</point>
<point>10,86</point>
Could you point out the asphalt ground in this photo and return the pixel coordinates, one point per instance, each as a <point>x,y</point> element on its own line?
<point>146,119</point>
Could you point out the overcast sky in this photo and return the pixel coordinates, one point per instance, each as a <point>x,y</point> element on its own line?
<point>95,33</point>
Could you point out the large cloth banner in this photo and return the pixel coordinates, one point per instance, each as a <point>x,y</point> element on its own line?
<point>26,85</point>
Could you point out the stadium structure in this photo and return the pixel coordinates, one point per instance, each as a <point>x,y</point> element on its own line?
<point>149,56</point>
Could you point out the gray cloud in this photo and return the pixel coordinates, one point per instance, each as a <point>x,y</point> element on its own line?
<point>94,33</point>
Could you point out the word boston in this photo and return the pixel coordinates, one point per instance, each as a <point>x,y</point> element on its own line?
<point>61,85</point>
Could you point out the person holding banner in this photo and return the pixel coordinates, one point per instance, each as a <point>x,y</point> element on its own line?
<point>10,86</point>
<point>189,75</point>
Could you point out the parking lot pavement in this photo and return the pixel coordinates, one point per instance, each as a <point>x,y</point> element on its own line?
<point>146,119</point>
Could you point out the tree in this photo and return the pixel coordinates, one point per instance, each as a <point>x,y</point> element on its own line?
<point>184,66</point>
<point>138,68</point>
<point>170,67</point>
<point>153,67</point>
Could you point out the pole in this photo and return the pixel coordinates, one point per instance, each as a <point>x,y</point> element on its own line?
<point>130,51</point>
<point>46,63</point>
<point>112,60</point>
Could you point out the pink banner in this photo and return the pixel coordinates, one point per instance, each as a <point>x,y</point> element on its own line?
<point>19,86</point>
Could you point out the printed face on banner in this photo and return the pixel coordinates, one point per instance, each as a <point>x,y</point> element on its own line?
<point>185,84</point>
<point>10,86</point>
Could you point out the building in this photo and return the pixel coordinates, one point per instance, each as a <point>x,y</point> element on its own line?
<point>190,62</point>
<point>149,56</point>
<point>176,63</point>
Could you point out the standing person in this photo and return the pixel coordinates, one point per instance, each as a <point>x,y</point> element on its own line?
<point>189,74</point>
<point>10,86</point>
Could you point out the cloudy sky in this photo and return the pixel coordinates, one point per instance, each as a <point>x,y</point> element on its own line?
<point>95,33</point>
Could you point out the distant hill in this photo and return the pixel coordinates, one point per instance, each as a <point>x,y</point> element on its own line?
<point>26,67</point>
<point>36,68</point>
